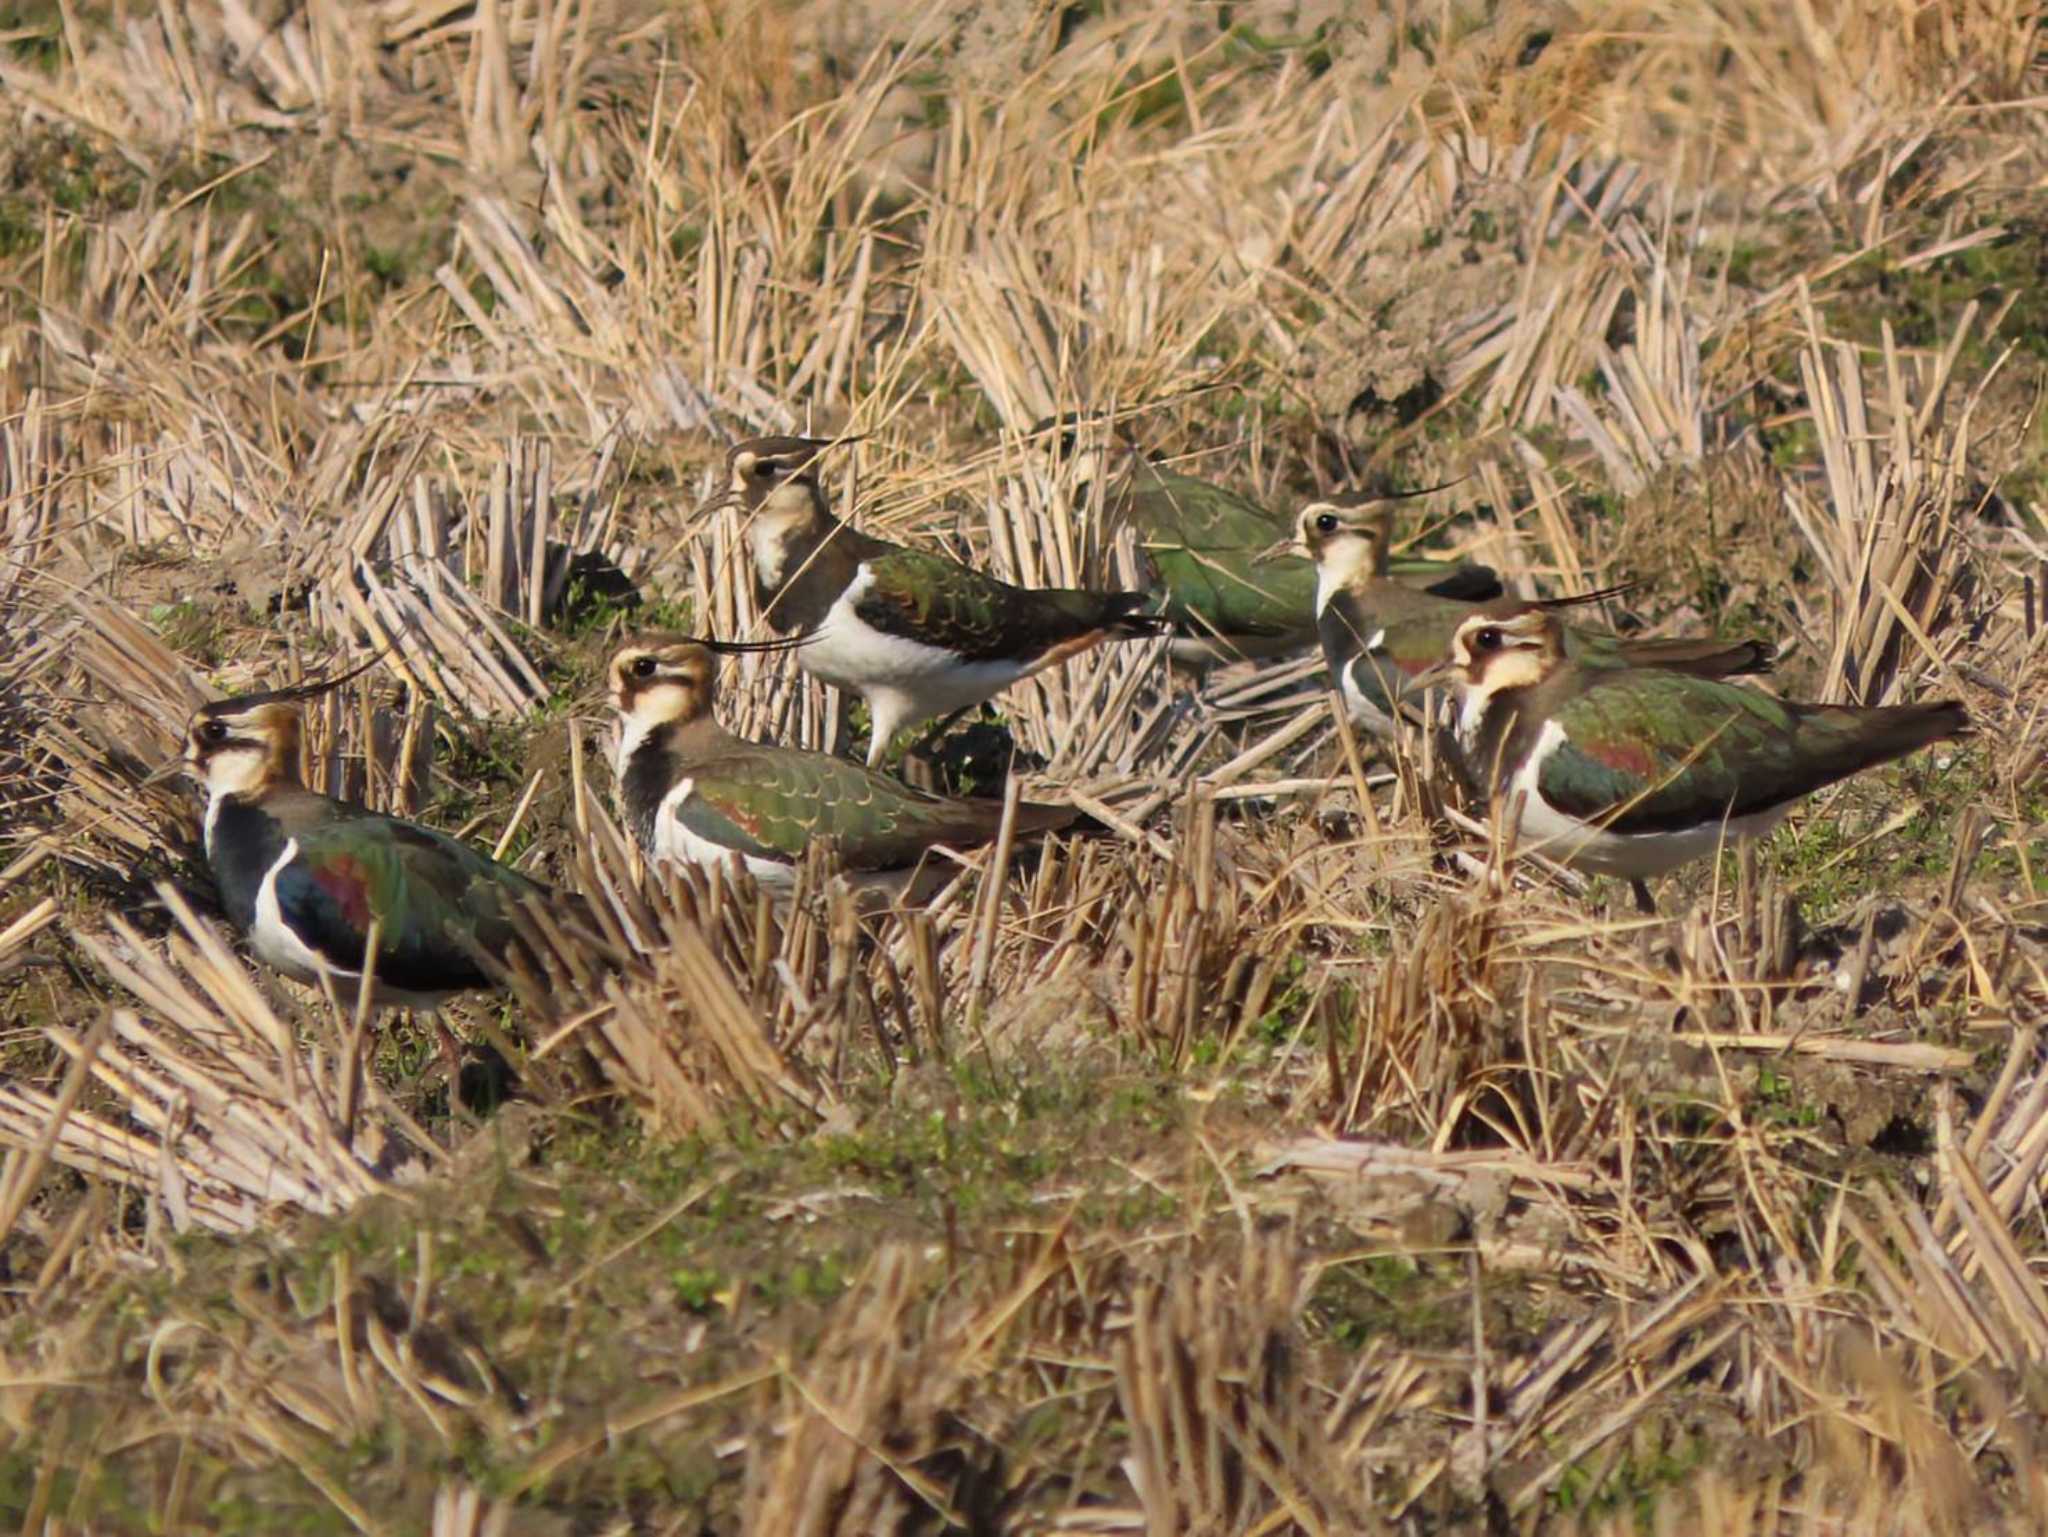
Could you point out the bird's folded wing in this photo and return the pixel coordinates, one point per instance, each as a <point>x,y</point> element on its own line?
<point>772,804</point>
<point>427,892</point>
<point>1659,752</point>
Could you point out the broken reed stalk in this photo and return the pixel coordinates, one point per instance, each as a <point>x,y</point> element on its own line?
<point>163,445</point>
<point>1892,540</point>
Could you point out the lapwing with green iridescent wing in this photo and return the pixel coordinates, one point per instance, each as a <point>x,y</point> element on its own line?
<point>1218,566</point>
<point>693,793</point>
<point>1632,771</point>
<point>1379,633</point>
<point>308,879</point>
<point>913,632</point>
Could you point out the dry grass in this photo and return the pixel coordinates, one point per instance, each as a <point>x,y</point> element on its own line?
<point>1264,1166</point>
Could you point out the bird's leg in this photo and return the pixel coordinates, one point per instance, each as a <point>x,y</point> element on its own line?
<point>1649,937</point>
<point>923,745</point>
<point>451,1057</point>
<point>837,727</point>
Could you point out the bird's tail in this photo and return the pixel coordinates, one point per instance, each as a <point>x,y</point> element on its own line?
<point>1865,737</point>
<point>1939,721</point>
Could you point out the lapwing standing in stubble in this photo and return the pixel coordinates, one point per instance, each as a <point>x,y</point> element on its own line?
<point>1217,563</point>
<point>1633,771</point>
<point>914,633</point>
<point>308,878</point>
<point>693,793</point>
<point>1379,633</point>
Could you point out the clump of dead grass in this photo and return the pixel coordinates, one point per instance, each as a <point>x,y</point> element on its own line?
<point>1478,1204</point>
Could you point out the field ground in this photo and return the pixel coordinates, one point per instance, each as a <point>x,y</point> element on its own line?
<point>1266,1171</point>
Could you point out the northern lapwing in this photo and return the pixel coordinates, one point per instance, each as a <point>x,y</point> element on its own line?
<point>693,793</point>
<point>1632,771</point>
<point>1379,634</point>
<point>914,633</point>
<point>308,878</point>
<point>1218,564</point>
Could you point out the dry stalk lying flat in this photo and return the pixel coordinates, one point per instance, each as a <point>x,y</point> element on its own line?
<point>1287,1158</point>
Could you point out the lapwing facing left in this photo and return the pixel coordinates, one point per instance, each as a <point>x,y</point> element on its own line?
<point>914,633</point>
<point>693,793</point>
<point>1380,634</point>
<point>1633,771</point>
<point>308,878</point>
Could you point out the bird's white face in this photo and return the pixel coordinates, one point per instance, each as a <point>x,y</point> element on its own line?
<point>654,686</point>
<point>1341,534</point>
<point>1491,654</point>
<point>1346,543</point>
<point>758,471</point>
<point>239,750</point>
<point>779,490</point>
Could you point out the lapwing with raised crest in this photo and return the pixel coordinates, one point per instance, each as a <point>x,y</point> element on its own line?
<point>1219,565</point>
<point>693,793</point>
<point>1380,634</point>
<point>309,880</point>
<point>1633,771</point>
<point>914,633</point>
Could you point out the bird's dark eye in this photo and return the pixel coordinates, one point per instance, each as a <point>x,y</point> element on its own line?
<point>1488,639</point>
<point>642,667</point>
<point>214,731</point>
<point>1326,523</point>
<point>769,469</point>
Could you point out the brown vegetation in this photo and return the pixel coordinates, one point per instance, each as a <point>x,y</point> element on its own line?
<point>1273,1164</point>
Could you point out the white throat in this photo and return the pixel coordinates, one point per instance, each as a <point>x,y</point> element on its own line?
<point>772,530</point>
<point>634,730</point>
<point>1474,700</point>
<point>771,554</point>
<point>1335,571</point>
<point>239,772</point>
<point>660,705</point>
<point>632,733</point>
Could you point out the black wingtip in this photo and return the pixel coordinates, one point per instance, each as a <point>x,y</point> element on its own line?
<point>1469,583</point>
<point>1126,615</point>
<point>1952,719</point>
<point>1760,658</point>
<point>1036,818</point>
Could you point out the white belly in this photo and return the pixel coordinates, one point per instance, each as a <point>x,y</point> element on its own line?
<point>274,943</point>
<point>850,653</point>
<point>277,946</point>
<point>1545,830</point>
<point>674,843</point>
<point>1364,709</point>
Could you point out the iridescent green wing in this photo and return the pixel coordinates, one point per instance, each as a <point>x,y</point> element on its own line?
<point>1674,751</point>
<point>1707,658</point>
<point>422,888</point>
<point>1677,750</point>
<point>1215,556</point>
<point>928,598</point>
<point>772,803</point>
